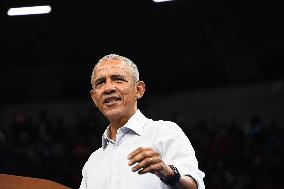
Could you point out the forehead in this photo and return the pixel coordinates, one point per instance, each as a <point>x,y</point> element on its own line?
<point>111,66</point>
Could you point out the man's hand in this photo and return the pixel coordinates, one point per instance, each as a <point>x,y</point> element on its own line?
<point>148,160</point>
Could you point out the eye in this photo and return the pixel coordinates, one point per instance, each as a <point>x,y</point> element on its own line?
<point>119,80</point>
<point>99,82</point>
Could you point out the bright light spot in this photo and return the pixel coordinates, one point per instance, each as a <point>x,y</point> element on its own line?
<point>29,10</point>
<point>160,1</point>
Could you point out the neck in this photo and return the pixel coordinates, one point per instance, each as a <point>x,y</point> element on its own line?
<point>115,124</point>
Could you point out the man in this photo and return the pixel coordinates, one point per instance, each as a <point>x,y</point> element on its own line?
<point>136,152</point>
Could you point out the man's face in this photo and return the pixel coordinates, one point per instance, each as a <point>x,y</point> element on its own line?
<point>114,91</point>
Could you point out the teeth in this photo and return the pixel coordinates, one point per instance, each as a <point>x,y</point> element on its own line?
<point>110,100</point>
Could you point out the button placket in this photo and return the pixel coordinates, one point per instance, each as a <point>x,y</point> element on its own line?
<point>114,167</point>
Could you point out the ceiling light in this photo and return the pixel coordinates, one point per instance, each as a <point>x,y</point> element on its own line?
<point>160,1</point>
<point>29,10</point>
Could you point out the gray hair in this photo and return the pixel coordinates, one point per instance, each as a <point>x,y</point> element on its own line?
<point>129,63</point>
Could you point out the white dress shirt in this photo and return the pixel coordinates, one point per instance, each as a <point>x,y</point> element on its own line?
<point>107,167</point>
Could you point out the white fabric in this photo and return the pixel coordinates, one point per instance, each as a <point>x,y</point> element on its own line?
<point>107,167</point>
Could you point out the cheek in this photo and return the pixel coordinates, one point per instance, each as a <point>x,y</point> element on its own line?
<point>125,91</point>
<point>96,99</point>
<point>129,95</point>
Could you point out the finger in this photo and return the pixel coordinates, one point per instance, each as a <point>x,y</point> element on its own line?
<point>137,151</point>
<point>154,168</point>
<point>145,163</point>
<point>143,155</point>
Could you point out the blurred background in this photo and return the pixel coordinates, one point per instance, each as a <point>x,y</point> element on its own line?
<point>213,67</point>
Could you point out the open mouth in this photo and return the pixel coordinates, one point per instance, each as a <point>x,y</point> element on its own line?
<point>111,100</point>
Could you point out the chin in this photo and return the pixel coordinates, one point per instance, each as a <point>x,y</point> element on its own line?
<point>113,113</point>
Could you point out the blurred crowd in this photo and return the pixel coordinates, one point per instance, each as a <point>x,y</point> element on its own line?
<point>237,157</point>
<point>232,155</point>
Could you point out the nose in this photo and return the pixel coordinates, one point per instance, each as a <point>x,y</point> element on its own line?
<point>109,88</point>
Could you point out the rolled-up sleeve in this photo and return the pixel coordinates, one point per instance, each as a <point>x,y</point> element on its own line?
<point>176,149</point>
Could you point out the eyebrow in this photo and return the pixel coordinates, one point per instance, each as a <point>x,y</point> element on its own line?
<point>113,77</point>
<point>117,76</point>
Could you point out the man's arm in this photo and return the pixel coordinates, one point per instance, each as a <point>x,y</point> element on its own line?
<point>147,160</point>
<point>187,182</point>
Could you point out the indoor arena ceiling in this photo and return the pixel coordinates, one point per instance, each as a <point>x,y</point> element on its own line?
<point>192,43</point>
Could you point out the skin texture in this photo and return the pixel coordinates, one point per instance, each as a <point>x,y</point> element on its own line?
<point>115,93</point>
<point>113,79</point>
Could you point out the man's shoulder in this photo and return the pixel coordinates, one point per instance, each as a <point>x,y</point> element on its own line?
<point>92,158</point>
<point>163,124</point>
<point>164,130</point>
<point>96,154</point>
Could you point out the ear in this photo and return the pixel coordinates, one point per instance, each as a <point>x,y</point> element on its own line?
<point>92,93</point>
<point>140,89</point>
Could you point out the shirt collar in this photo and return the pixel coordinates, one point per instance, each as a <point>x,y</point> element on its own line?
<point>135,123</point>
